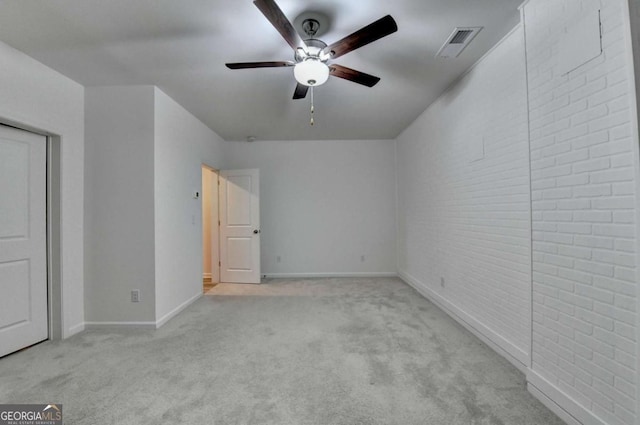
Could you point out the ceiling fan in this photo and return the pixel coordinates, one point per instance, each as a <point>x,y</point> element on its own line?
<point>312,56</point>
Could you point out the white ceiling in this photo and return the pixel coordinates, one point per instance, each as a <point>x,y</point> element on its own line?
<point>181,46</point>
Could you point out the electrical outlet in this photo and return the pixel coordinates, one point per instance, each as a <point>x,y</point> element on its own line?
<point>135,296</point>
<point>278,259</point>
<point>442,282</point>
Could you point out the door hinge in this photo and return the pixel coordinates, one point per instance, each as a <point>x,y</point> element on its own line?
<point>219,263</point>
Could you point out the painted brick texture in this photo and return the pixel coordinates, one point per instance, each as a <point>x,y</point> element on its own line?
<point>583,212</point>
<point>464,214</point>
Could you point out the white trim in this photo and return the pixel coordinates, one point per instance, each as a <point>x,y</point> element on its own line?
<point>55,285</point>
<point>457,81</point>
<point>552,405</point>
<point>146,325</point>
<point>516,356</point>
<point>632,33</point>
<point>164,319</point>
<point>524,3</point>
<point>75,329</point>
<point>559,402</point>
<point>526,80</point>
<point>477,63</point>
<point>325,275</point>
<point>397,206</point>
<point>102,325</point>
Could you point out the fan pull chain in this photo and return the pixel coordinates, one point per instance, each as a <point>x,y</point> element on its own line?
<point>312,108</point>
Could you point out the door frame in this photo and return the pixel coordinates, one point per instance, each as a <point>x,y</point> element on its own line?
<point>215,221</point>
<point>54,240</point>
<point>53,218</point>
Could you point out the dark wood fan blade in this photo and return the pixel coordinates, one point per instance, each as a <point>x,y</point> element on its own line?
<point>301,91</point>
<point>353,75</point>
<point>372,32</point>
<point>272,12</point>
<point>246,65</point>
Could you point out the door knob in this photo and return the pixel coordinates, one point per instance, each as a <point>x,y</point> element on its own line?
<point>255,232</point>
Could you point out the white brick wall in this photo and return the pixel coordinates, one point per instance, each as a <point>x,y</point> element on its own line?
<point>584,218</point>
<point>469,220</point>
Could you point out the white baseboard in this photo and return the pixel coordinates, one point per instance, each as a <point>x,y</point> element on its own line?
<point>145,325</point>
<point>559,402</point>
<point>102,325</point>
<point>551,405</point>
<point>548,394</point>
<point>325,275</point>
<point>74,330</point>
<point>164,319</point>
<point>519,358</point>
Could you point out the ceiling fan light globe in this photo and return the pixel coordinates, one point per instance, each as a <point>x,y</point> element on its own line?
<point>311,72</point>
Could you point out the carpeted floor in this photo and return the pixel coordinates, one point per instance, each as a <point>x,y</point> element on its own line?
<point>325,352</point>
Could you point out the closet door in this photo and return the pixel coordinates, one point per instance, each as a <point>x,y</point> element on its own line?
<point>23,258</point>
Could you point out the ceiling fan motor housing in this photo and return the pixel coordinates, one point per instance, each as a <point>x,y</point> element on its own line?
<point>314,50</point>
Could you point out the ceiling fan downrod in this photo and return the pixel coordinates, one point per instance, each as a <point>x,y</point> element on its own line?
<point>312,108</point>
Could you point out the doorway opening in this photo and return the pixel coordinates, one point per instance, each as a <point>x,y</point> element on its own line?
<point>210,229</point>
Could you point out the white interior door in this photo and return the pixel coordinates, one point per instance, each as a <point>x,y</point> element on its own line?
<point>240,226</point>
<point>23,261</point>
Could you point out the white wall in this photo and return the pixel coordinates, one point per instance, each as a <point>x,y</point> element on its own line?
<point>182,145</point>
<point>324,204</point>
<point>143,164</point>
<point>35,97</point>
<point>464,209</point>
<point>119,204</point>
<point>584,159</point>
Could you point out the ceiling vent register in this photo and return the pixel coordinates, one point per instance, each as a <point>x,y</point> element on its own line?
<point>458,41</point>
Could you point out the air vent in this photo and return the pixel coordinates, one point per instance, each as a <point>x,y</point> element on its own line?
<point>457,41</point>
<point>460,37</point>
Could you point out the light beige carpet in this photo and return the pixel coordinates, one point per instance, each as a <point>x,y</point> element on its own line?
<point>331,351</point>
